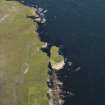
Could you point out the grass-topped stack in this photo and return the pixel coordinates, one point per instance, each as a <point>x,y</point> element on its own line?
<point>56,60</point>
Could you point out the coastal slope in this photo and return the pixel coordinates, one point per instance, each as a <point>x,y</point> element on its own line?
<point>23,67</point>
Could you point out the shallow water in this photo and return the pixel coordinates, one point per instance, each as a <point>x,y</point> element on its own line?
<point>79,25</point>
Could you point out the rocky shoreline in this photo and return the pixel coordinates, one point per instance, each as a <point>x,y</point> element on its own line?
<point>55,91</point>
<point>55,86</point>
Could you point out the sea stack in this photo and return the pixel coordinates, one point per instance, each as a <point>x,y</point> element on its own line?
<point>56,60</point>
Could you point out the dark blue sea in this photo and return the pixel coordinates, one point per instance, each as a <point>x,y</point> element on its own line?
<point>78,26</point>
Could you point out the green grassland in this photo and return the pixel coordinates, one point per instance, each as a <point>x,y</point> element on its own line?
<point>23,67</point>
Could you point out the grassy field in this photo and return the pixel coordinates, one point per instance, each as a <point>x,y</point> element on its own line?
<point>23,67</point>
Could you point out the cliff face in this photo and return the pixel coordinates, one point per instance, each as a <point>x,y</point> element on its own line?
<point>23,66</point>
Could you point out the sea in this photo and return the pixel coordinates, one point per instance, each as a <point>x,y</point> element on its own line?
<point>78,28</point>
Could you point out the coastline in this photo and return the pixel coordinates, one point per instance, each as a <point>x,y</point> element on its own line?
<point>55,92</point>
<point>23,47</point>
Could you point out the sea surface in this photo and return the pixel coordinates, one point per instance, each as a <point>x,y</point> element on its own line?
<point>79,27</point>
